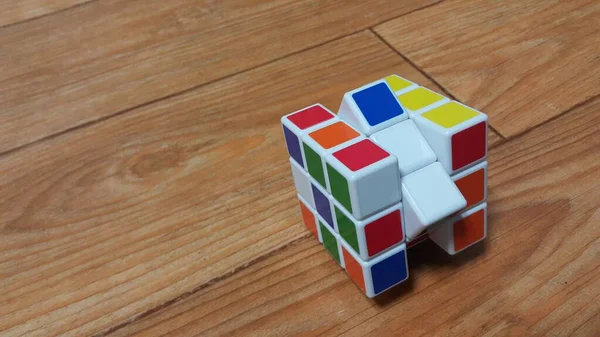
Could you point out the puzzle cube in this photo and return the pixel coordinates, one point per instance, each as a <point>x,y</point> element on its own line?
<point>371,236</point>
<point>398,165</point>
<point>379,274</point>
<point>461,231</point>
<point>319,143</point>
<point>364,178</point>
<point>456,133</point>
<point>404,141</point>
<point>296,124</point>
<point>371,108</point>
<point>429,195</point>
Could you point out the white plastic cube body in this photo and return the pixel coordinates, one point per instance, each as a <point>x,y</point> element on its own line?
<point>302,183</point>
<point>461,231</point>
<point>428,195</point>
<point>373,235</point>
<point>293,132</point>
<point>379,274</point>
<point>405,141</point>
<point>456,133</point>
<point>370,189</point>
<point>371,108</point>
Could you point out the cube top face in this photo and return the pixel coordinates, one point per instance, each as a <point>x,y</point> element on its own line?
<point>432,194</point>
<point>310,116</point>
<point>377,103</point>
<point>404,141</point>
<point>333,135</point>
<point>450,115</point>
<point>360,155</point>
<point>420,98</point>
<point>398,83</point>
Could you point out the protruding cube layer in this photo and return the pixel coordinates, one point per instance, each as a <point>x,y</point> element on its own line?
<point>371,108</point>
<point>332,242</point>
<point>456,133</point>
<point>379,274</point>
<point>309,218</point>
<point>404,141</point>
<point>420,100</point>
<point>318,143</point>
<point>371,236</point>
<point>363,178</point>
<point>472,184</point>
<point>302,183</point>
<point>323,204</point>
<point>461,231</point>
<point>429,195</point>
<point>296,124</point>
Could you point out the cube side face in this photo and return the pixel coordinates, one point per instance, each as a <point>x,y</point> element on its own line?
<point>309,218</point>
<point>472,184</point>
<point>331,242</point>
<point>384,232</point>
<point>354,269</point>
<point>412,224</point>
<point>390,269</point>
<point>293,146</point>
<point>349,230</point>
<point>470,228</point>
<point>302,183</point>
<point>378,188</point>
<point>469,146</point>
<point>323,205</point>
<point>461,231</point>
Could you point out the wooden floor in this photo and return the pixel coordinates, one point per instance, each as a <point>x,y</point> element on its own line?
<point>145,188</point>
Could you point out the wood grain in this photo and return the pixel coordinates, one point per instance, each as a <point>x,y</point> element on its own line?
<point>109,56</point>
<point>15,11</point>
<point>521,62</point>
<point>107,222</point>
<point>537,274</point>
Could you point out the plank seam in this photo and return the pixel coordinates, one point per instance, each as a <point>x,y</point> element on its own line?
<point>47,14</point>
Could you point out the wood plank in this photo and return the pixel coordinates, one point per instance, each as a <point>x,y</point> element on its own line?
<point>15,11</point>
<point>521,62</point>
<point>104,223</point>
<point>494,139</point>
<point>537,274</point>
<point>109,56</point>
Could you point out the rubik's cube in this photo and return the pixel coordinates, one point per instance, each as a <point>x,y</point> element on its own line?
<point>397,164</point>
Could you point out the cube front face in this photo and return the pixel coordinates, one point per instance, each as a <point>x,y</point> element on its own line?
<point>397,165</point>
<point>373,235</point>
<point>378,275</point>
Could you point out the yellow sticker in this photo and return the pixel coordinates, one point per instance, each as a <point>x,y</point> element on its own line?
<point>397,83</point>
<point>419,98</point>
<point>449,115</point>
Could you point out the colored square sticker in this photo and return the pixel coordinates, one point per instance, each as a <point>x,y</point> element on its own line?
<point>377,104</point>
